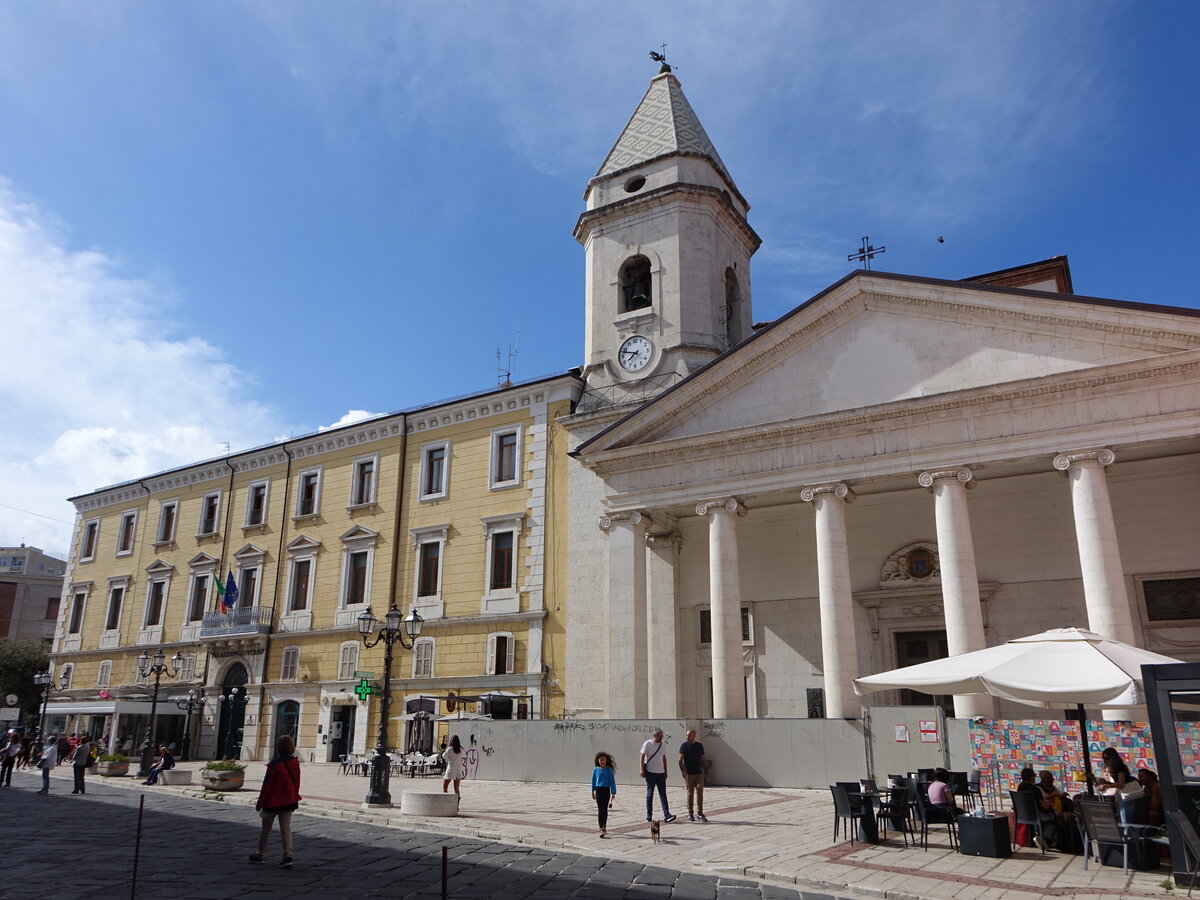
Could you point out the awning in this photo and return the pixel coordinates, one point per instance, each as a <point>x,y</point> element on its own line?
<point>110,707</point>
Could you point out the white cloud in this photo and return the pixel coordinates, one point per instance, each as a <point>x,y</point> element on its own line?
<point>96,387</point>
<point>352,416</point>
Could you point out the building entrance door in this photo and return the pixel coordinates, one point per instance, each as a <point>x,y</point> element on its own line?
<point>914,647</point>
<point>233,713</point>
<point>341,732</point>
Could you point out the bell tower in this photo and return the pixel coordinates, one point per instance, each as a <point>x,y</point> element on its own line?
<point>668,253</point>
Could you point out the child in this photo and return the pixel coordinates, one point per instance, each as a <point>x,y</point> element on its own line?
<point>604,787</point>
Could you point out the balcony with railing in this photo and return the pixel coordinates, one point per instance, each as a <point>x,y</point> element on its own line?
<point>249,620</point>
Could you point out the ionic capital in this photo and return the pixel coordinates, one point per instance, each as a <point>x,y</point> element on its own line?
<point>838,489</point>
<point>633,517</point>
<point>728,504</point>
<point>961,474</point>
<point>664,538</point>
<point>1102,455</point>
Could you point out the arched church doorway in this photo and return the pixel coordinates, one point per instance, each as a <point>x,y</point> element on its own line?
<point>233,713</point>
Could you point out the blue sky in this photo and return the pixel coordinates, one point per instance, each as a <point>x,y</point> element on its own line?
<point>235,221</point>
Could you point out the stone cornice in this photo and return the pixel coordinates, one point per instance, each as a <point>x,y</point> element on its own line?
<point>482,407</point>
<point>874,419</point>
<point>532,615</point>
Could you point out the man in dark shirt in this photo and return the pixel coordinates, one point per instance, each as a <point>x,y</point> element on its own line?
<point>692,765</point>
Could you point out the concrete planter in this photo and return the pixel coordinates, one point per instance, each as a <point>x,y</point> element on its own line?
<point>222,781</point>
<point>112,769</point>
<point>175,776</point>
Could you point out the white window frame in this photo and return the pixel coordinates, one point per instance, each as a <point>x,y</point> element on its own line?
<point>216,529</point>
<point>417,651</point>
<point>104,675</point>
<point>422,494</point>
<point>82,591</point>
<point>159,537</point>
<point>373,459</point>
<point>265,484</point>
<point>502,599</point>
<point>495,484</point>
<point>430,607</point>
<point>187,668</point>
<point>239,578</point>
<point>289,664</point>
<point>130,516</point>
<point>509,656</point>
<point>318,473</point>
<point>344,655</point>
<point>90,527</point>
<point>162,614</point>
<point>67,675</point>
<point>293,563</point>
<point>115,584</point>
<point>196,575</point>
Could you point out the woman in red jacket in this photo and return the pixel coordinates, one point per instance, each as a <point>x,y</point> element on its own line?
<point>279,796</point>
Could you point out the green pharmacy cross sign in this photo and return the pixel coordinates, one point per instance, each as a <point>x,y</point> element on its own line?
<point>364,690</point>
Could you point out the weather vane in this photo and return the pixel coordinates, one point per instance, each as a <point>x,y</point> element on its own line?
<point>660,56</point>
<point>866,253</point>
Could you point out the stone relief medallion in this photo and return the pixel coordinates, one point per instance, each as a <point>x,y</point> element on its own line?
<point>920,563</point>
<point>913,564</point>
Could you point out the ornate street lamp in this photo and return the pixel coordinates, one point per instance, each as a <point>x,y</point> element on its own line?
<point>190,703</point>
<point>231,700</point>
<point>45,681</point>
<point>156,665</point>
<point>395,629</point>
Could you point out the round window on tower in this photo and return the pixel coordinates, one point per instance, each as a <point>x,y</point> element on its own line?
<point>635,184</point>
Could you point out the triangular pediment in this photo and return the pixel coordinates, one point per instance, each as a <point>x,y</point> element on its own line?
<point>358,534</point>
<point>875,339</point>
<point>202,559</point>
<point>250,552</point>
<point>302,544</point>
<point>159,567</point>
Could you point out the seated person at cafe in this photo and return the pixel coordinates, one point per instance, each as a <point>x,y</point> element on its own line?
<point>1148,779</point>
<point>1049,821</point>
<point>941,795</point>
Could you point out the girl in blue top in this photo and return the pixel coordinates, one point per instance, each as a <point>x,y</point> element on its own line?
<point>604,787</point>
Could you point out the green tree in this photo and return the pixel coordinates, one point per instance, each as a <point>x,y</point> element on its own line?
<point>20,660</point>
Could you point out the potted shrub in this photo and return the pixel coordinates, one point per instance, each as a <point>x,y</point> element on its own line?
<point>223,775</point>
<point>112,765</point>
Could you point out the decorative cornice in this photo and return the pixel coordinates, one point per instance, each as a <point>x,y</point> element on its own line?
<point>424,421</point>
<point>633,517</point>
<point>960,473</point>
<point>727,504</point>
<point>1102,455</point>
<point>838,489</point>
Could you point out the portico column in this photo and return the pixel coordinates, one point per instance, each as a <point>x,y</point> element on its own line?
<point>662,554</point>
<point>725,605</point>
<point>960,582</point>
<point>839,642</point>
<point>626,633</point>
<point>1096,533</point>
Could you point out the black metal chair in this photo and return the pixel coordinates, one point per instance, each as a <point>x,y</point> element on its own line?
<point>896,809</point>
<point>975,787</point>
<point>844,810</point>
<point>928,815</point>
<point>962,789</point>
<point>1191,844</point>
<point>1100,827</point>
<point>1028,813</point>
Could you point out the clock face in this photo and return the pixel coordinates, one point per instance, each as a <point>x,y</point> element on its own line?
<point>634,353</point>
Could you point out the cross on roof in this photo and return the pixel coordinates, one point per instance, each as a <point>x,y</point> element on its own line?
<point>866,253</point>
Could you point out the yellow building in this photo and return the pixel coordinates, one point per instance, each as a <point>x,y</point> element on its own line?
<point>456,509</point>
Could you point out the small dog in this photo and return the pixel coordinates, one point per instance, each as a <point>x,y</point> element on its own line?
<point>655,831</point>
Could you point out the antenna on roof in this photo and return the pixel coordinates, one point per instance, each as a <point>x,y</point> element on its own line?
<point>225,444</point>
<point>661,57</point>
<point>866,253</point>
<point>504,373</point>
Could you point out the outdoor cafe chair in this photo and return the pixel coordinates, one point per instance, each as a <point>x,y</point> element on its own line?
<point>1027,812</point>
<point>895,810</point>
<point>962,789</point>
<point>1100,827</point>
<point>843,810</point>
<point>345,760</point>
<point>1191,844</point>
<point>852,789</point>
<point>975,787</point>
<point>927,816</point>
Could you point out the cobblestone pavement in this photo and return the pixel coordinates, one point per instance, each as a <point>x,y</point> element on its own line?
<point>192,849</point>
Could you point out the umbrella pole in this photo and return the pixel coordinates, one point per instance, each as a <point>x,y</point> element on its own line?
<point>1087,756</point>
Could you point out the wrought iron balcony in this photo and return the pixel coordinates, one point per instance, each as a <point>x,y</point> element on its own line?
<point>247,620</point>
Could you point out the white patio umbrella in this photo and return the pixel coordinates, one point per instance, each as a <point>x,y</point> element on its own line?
<point>1057,668</point>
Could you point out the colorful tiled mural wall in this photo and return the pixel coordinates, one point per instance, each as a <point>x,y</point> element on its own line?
<point>1004,746</point>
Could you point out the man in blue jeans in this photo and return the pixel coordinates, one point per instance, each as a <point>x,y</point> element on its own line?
<point>654,770</point>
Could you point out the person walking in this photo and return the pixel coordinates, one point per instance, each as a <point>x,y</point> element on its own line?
<point>692,763</point>
<point>48,760</point>
<point>653,763</point>
<point>8,758</point>
<point>453,756</point>
<point>64,748</point>
<point>80,757</point>
<point>604,788</point>
<point>279,797</point>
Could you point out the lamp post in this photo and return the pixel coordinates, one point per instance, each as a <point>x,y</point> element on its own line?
<point>390,633</point>
<point>45,681</point>
<point>190,704</point>
<point>232,699</point>
<point>156,665</point>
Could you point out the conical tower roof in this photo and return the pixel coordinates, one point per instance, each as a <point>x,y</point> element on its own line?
<point>663,124</point>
